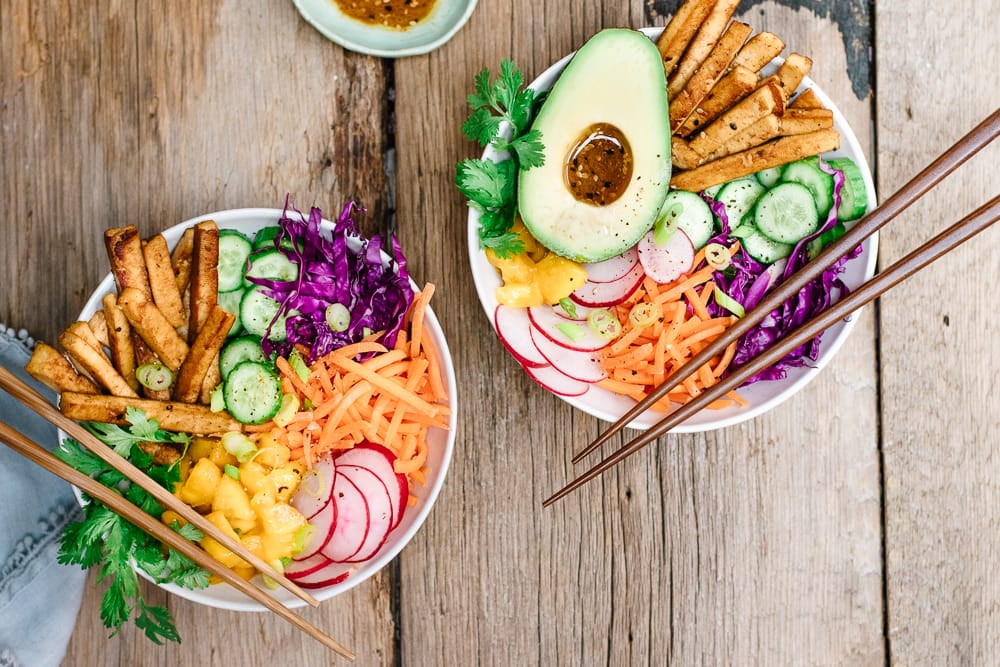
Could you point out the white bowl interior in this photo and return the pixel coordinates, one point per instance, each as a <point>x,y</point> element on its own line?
<point>444,20</point>
<point>440,442</point>
<point>761,396</point>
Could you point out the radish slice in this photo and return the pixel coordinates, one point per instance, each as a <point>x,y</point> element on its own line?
<point>557,382</point>
<point>380,461</point>
<point>512,327</point>
<point>306,566</point>
<point>668,262</point>
<point>380,514</point>
<point>351,528</point>
<point>323,526</point>
<point>325,575</point>
<point>579,365</point>
<point>555,328</point>
<point>600,295</point>
<point>315,489</point>
<point>579,312</point>
<point>612,269</point>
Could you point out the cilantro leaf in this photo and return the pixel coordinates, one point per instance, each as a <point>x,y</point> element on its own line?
<point>157,623</point>
<point>499,108</point>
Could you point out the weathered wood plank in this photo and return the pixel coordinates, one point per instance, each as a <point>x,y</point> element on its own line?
<point>758,544</point>
<point>939,360</point>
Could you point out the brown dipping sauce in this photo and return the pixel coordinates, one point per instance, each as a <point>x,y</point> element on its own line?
<point>398,14</point>
<point>599,166</point>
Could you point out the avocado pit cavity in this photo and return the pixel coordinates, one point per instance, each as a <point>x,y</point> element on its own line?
<point>599,165</point>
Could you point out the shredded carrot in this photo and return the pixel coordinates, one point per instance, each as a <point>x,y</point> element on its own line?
<point>641,358</point>
<point>391,398</point>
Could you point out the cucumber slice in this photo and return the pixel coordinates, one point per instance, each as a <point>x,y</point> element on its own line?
<point>815,247</point>
<point>264,238</point>
<point>765,250</point>
<point>769,177</point>
<point>786,213</point>
<point>807,172</point>
<point>713,190</point>
<point>272,265</point>
<point>230,302</point>
<point>854,193</point>
<point>690,214</point>
<point>257,310</point>
<point>238,350</point>
<point>252,392</point>
<point>738,197</point>
<point>234,248</point>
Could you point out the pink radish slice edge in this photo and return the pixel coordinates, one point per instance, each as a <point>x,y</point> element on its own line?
<point>323,528</point>
<point>380,461</point>
<point>548,323</point>
<point>601,295</point>
<point>557,383</point>
<point>512,325</point>
<point>577,364</point>
<point>305,566</point>
<point>380,514</point>
<point>612,269</point>
<point>668,262</point>
<point>315,489</point>
<point>351,528</point>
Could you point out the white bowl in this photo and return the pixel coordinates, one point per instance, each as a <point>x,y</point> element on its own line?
<point>440,442</point>
<point>444,20</point>
<point>760,396</point>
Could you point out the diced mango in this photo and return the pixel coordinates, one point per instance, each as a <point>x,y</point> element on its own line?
<point>220,457</point>
<point>253,476</point>
<point>233,502</point>
<point>284,481</point>
<point>220,553</point>
<point>273,455</point>
<point>558,277</point>
<point>519,295</point>
<point>199,488</point>
<point>200,447</point>
<point>536,276</point>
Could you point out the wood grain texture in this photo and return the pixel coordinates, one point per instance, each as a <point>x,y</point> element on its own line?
<point>758,544</point>
<point>938,352</point>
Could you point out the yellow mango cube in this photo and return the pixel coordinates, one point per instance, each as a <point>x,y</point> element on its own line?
<point>233,502</point>
<point>557,277</point>
<point>199,488</point>
<point>214,549</point>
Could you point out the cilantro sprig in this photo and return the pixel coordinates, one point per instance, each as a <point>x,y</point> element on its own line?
<point>105,539</point>
<point>501,118</point>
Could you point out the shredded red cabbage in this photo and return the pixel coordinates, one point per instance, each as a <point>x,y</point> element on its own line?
<point>747,281</point>
<point>343,268</point>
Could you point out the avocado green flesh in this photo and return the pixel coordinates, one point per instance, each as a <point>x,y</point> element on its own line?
<point>615,79</point>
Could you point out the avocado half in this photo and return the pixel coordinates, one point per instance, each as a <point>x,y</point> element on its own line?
<point>613,92</point>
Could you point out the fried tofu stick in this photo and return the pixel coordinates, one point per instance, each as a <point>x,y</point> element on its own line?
<point>729,90</point>
<point>710,71</point>
<point>807,99</point>
<point>204,286</point>
<point>172,416</point>
<point>95,363</point>
<point>180,259</point>
<point>162,281</point>
<point>768,99</point>
<point>759,51</point>
<point>125,256</point>
<point>708,34</point>
<point>790,73</point>
<point>676,36</point>
<point>51,368</point>
<point>99,326</point>
<point>204,350</point>
<point>120,341</point>
<point>772,154</point>
<point>153,327</point>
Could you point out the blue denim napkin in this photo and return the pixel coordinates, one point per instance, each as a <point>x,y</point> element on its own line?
<point>39,599</point>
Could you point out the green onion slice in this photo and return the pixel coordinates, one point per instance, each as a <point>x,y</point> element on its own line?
<point>338,317</point>
<point>644,314</point>
<point>717,256</point>
<point>154,376</point>
<point>603,323</point>
<point>568,306</point>
<point>729,303</point>
<point>570,330</point>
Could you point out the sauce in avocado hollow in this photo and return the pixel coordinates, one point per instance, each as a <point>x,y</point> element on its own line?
<point>397,14</point>
<point>599,166</point>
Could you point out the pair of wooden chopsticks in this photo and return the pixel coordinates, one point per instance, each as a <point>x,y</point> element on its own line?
<point>37,454</point>
<point>972,224</point>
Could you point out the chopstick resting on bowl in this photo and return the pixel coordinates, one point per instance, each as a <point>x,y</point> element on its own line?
<point>986,215</point>
<point>37,454</point>
<point>32,399</point>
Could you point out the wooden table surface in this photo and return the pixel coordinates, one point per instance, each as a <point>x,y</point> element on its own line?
<point>857,523</point>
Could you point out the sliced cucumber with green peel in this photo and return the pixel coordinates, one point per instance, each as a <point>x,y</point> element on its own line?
<point>264,238</point>
<point>257,310</point>
<point>769,177</point>
<point>689,213</point>
<point>252,392</point>
<point>854,192</point>
<point>738,197</point>
<point>234,248</point>
<point>712,190</point>
<point>765,250</point>
<point>786,213</point>
<point>807,172</point>
<point>271,265</point>
<point>230,302</point>
<point>238,350</point>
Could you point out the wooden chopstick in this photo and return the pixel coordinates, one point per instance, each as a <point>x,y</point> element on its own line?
<point>14,386</point>
<point>947,162</point>
<point>35,453</point>
<point>941,244</point>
